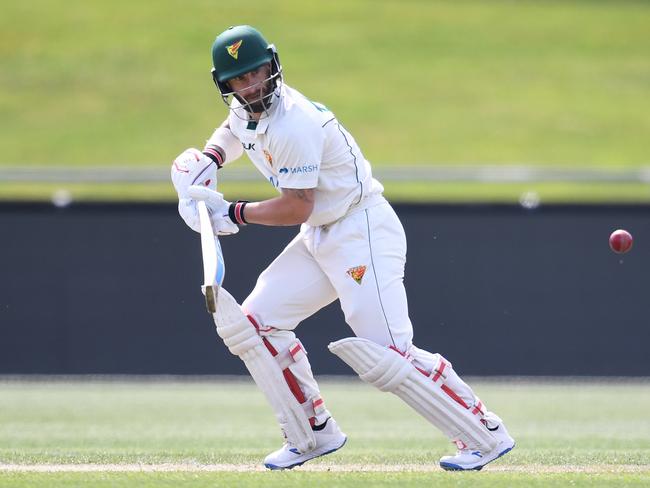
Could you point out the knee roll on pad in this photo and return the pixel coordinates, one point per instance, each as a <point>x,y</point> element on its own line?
<point>387,374</point>
<point>390,370</point>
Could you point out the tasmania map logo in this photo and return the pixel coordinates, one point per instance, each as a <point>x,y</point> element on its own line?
<point>233,49</point>
<point>356,273</point>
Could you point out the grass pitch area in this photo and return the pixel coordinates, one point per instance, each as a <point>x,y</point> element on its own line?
<point>216,433</point>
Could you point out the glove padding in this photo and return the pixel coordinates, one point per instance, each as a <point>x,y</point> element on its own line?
<point>217,208</point>
<point>192,167</point>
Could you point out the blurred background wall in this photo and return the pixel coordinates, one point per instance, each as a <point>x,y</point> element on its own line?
<point>499,290</point>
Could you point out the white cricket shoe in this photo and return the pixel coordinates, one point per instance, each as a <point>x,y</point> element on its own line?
<point>471,459</point>
<point>328,440</point>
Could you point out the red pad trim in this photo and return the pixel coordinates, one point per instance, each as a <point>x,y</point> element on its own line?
<point>453,395</point>
<point>443,365</point>
<point>478,408</point>
<point>424,372</point>
<point>288,375</point>
<point>444,387</point>
<point>269,346</point>
<point>295,350</point>
<point>256,325</point>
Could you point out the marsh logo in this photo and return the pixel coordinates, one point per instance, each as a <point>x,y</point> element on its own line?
<point>307,168</point>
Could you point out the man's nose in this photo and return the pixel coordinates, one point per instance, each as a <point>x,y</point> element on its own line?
<point>252,88</point>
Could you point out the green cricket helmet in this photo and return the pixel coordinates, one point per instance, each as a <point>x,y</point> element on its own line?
<point>241,49</point>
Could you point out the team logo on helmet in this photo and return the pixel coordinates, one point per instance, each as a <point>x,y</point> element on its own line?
<point>233,49</point>
<point>356,273</point>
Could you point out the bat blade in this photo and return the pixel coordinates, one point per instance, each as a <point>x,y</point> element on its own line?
<point>210,286</point>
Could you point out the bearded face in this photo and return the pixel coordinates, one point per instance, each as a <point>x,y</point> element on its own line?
<point>254,89</point>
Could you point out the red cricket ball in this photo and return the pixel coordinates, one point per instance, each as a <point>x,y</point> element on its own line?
<point>620,241</point>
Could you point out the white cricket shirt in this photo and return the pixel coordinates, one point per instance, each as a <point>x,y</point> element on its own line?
<point>301,145</point>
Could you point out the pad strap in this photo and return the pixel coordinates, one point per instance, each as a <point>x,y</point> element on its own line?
<point>294,353</point>
<point>313,407</point>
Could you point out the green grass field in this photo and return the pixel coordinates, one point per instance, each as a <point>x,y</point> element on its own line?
<point>417,82</point>
<point>216,432</point>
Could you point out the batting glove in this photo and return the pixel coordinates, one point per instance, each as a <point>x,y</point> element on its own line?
<point>217,206</point>
<point>192,167</point>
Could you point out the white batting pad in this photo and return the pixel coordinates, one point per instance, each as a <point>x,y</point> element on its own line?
<point>242,340</point>
<point>388,370</point>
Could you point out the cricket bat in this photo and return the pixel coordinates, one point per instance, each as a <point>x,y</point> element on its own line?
<point>210,286</point>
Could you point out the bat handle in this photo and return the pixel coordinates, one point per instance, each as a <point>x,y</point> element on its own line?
<point>211,293</point>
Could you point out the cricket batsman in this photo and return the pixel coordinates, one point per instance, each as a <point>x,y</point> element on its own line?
<point>351,246</point>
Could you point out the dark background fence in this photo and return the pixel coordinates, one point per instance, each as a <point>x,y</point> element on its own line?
<point>499,290</point>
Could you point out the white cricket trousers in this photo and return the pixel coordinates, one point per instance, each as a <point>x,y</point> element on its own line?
<point>358,259</point>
